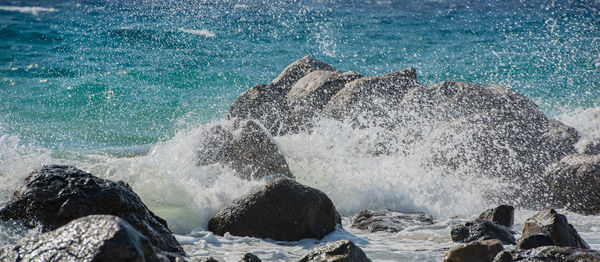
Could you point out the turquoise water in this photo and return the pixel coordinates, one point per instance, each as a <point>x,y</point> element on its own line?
<point>118,76</point>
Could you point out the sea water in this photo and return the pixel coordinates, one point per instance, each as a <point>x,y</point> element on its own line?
<point>125,90</point>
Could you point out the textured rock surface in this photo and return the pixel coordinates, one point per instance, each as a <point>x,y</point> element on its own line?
<point>555,225</point>
<point>55,195</point>
<point>534,241</point>
<point>388,221</point>
<point>481,230</point>
<point>282,209</point>
<point>91,238</point>
<point>555,254</point>
<point>245,146</point>
<point>575,183</point>
<point>503,256</point>
<point>503,215</point>
<point>476,251</point>
<point>249,257</point>
<point>591,147</point>
<point>338,251</point>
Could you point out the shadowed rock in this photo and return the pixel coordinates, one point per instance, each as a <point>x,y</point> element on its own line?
<point>534,241</point>
<point>554,253</point>
<point>476,251</point>
<point>503,215</point>
<point>91,238</point>
<point>249,257</point>
<point>282,209</point>
<point>338,251</point>
<point>503,256</point>
<point>245,146</point>
<point>482,230</point>
<point>55,195</point>
<point>388,221</point>
<point>556,226</point>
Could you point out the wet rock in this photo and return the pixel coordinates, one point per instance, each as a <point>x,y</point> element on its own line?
<point>503,256</point>
<point>575,181</point>
<point>502,215</point>
<point>55,195</point>
<point>388,221</point>
<point>338,251</point>
<point>249,257</point>
<point>482,230</point>
<point>590,147</point>
<point>555,253</point>
<point>551,223</point>
<point>533,241</point>
<point>245,146</point>
<point>91,238</point>
<point>268,103</point>
<point>476,251</point>
<point>282,209</point>
<point>205,259</point>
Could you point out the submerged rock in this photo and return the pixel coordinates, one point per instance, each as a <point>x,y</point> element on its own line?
<point>338,251</point>
<point>503,215</point>
<point>551,223</point>
<point>246,147</point>
<point>388,221</point>
<point>249,257</point>
<point>282,209</point>
<point>91,238</point>
<point>55,195</point>
<point>575,183</point>
<point>482,230</point>
<point>476,251</point>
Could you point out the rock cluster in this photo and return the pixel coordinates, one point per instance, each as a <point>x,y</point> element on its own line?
<point>388,221</point>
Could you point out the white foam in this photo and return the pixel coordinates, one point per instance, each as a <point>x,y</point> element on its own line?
<point>585,120</point>
<point>202,32</point>
<point>34,10</point>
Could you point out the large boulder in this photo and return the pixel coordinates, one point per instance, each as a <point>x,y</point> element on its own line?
<point>481,230</point>
<point>551,223</point>
<point>388,221</point>
<point>268,103</point>
<point>575,183</point>
<point>503,215</point>
<point>476,251</point>
<point>282,209</point>
<point>91,238</point>
<point>245,146</point>
<point>337,251</point>
<point>55,195</point>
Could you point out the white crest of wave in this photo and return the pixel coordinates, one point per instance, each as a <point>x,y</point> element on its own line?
<point>34,10</point>
<point>202,32</point>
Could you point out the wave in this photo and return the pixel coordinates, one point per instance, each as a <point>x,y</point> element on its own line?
<point>33,10</point>
<point>202,32</point>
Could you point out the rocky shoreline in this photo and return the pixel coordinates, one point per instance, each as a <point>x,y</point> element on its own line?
<point>492,131</point>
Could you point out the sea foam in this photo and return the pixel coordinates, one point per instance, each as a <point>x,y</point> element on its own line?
<point>33,10</point>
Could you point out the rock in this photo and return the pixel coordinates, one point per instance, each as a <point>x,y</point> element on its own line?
<point>312,92</point>
<point>205,259</point>
<point>481,230</point>
<point>502,215</point>
<point>282,209</point>
<point>338,251</point>
<point>533,241</point>
<point>575,182</point>
<point>91,238</point>
<point>249,257</point>
<point>267,103</point>
<point>55,195</point>
<point>503,256</point>
<point>476,251</point>
<point>555,225</point>
<point>590,147</point>
<point>245,146</point>
<point>555,253</point>
<point>388,221</point>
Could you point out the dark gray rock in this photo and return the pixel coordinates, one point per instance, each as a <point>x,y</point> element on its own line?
<point>249,257</point>
<point>205,259</point>
<point>555,253</point>
<point>476,251</point>
<point>338,251</point>
<point>503,215</point>
<point>481,230</point>
<point>551,223</point>
<point>55,195</point>
<point>388,221</point>
<point>282,209</point>
<point>533,241</point>
<point>590,147</point>
<point>575,182</point>
<point>91,238</point>
<point>245,146</point>
<point>503,256</point>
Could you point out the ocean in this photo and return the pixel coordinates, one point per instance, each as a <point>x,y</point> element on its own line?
<point>125,89</point>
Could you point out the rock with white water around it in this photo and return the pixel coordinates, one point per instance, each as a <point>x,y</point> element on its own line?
<point>338,251</point>
<point>476,251</point>
<point>534,241</point>
<point>590,147</point>
<point>482,230</point>
<point>503,256</point>
<point>245,146</point>
<point>268,103</point>
<point>575,183</point>
<point>388,221</point>
<point>204,259</point>
<point>551,223</point>
<point>91,238</point>
<point>503,215</point>
<point>282,209</point>
<point>555,254</point>
<point>249,257</point>
<point>55,195</point>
